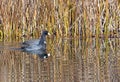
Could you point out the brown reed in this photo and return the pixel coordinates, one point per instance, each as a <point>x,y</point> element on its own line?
<point>66,18</point>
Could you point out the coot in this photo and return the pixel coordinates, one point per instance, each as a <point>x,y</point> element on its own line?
<point>38,44</point>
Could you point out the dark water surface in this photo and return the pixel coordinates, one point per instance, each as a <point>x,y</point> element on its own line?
<point>71,60</point>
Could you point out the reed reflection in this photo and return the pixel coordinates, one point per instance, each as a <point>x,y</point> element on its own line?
<point>71,60</point>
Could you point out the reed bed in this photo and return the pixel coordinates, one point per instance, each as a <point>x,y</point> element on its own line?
<point>64,18</point>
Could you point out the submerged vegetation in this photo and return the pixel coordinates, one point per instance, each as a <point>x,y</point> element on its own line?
<point>64,18</point>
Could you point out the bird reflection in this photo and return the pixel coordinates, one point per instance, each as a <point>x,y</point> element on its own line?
<point>42,53</point>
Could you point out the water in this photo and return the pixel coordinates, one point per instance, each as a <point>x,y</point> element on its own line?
<point>71,60</point>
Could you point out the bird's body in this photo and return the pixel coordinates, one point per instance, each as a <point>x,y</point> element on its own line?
<point>31,42</point>
<point>38,44</point>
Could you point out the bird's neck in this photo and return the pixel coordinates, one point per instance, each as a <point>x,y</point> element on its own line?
<point>42,39</point>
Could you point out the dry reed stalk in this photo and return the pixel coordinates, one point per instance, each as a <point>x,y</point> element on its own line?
<point>63,17</point>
